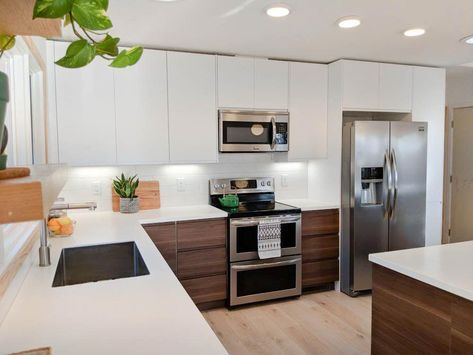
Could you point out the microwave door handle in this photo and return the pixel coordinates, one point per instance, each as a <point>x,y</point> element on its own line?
<point>264,265</point>
<point>273,123</point>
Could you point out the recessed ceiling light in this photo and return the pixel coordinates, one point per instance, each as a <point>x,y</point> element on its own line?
<point>414,32</point>
<point>278,11</point>
<point>349,22</point>
<point>467,40</point>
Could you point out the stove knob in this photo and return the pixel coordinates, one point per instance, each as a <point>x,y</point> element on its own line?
<point>268,183</point>
<point>262,183</point>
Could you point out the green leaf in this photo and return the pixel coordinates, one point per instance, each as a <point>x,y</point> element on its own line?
<point>78,54</point>
<point>67,20</point>
<point>7,42</point>
<point>91,14</point>
<point>51,8</point>
<point>127,57</point>
<point>108,46</point>
<point>103,4</point>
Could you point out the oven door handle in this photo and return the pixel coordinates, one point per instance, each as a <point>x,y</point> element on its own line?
<point>265,265</point>
<point>273,123</point>
<point>255,222</point>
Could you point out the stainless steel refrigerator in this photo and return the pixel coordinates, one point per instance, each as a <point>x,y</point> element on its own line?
<point>383,194</point>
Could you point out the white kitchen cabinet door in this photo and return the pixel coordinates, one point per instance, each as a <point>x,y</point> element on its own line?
<point>85,112</point>
<point>236,82</point>
<point>141,110</point>
<point>428,105</point>
<point>395,87</point>
<point>360,85</point>
<point>271,84</point>
<point>308,111</point>
<point>192,107</point>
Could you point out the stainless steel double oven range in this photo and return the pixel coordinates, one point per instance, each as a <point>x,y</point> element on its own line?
<point>252,279</point>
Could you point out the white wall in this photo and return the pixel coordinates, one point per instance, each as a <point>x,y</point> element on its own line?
<point>94,183</point>
<point>459,87</point>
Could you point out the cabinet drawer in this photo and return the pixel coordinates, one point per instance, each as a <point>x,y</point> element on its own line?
<point>207,289</point>
<point>319,247</point>
<point>319,272</point>
<point>164,237</point>
<point>320,222</point>
<point>196,263</point>
<point>201,234</point>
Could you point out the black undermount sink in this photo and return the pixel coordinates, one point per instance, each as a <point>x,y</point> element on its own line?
<point>98,263</point>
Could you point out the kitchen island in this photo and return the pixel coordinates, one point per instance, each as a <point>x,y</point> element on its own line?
<point>423,300</point>
<point>149,314</point>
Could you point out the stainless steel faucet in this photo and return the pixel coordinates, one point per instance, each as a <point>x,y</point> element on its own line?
<point>44,249</point>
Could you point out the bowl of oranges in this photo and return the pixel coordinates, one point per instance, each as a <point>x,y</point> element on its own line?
<point>61,226</point>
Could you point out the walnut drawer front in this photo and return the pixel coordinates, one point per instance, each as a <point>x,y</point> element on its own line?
<point>204,262</point>
<point>201,234</point>
<point>319,247</point>
<point>319,272</point>
<point>320,222</point>
<point>163,236</point>
<point>206,289</point>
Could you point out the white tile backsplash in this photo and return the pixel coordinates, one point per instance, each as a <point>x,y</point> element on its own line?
<point>82,182</point>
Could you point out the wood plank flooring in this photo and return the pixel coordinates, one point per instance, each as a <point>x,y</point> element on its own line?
<point>317,323</point>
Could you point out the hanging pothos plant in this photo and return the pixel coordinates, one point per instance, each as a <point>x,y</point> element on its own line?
<point>90,24</point>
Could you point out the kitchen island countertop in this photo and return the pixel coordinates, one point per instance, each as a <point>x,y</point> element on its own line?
<point>149,314</point>
<point>447,267</point>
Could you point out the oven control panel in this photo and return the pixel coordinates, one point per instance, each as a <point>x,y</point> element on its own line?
<point>241,185</point>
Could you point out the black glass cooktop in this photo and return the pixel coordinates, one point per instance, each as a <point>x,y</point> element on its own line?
<point>262,208</point>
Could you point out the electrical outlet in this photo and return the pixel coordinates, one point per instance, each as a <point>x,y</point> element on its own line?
<point>96,188</point>
<point>284,180</point>
<point>180,184</point>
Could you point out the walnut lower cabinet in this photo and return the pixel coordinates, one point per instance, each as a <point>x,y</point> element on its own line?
<point>320,248</point>
<point>412,317</point>
<point>196,252</point>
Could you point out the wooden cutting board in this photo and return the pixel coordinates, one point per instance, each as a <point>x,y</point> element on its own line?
<point>41,351</point>
<point>13,173</point>
<point>147,191</point>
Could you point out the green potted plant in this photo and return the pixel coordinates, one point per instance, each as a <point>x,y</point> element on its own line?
<point>125,187</point>
<point>89,23</point>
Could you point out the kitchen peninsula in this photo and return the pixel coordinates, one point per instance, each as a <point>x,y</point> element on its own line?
<point>423,300</point>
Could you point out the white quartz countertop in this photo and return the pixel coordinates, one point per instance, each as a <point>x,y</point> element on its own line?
<point>447,267</point>
<point>149,314</point>
<point>306,204</point>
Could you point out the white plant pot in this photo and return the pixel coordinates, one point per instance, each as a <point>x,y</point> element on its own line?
<point>129,205</point>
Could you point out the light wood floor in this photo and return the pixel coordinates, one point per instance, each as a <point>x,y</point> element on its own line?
<point>317,323</point>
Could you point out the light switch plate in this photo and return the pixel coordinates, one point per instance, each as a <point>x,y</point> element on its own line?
<point>284,180</point>
<point>97,188</point>
<point>180,184</point>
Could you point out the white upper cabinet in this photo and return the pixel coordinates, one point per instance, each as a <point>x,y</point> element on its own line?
<point>85,112</point>
<point>308,111</point>
<point>360,85</point>
<point>192,107</point>
<point>395,87</point>
<point>371,86</point>
<point>271,84</point>
<point>141,110</point>
<point>236,82</point>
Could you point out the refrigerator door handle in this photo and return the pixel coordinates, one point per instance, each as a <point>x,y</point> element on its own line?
<point>387,185</point>
<point>395,182</point>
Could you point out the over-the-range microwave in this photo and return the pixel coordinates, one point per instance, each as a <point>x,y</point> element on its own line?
<point>253,131</point>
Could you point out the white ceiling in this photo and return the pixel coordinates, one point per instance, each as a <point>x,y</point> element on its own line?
<point>309,33</point>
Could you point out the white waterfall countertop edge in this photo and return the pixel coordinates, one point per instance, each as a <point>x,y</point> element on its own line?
<point>307,204</point>
<point>149,314</point>
<point>447,267</point>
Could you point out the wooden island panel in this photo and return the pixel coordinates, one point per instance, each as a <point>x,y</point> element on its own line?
<point>409,316</point>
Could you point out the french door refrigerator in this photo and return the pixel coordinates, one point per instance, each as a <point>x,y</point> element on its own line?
<point>383,194</point>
